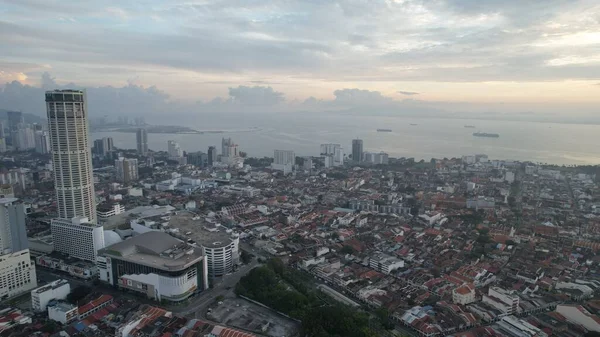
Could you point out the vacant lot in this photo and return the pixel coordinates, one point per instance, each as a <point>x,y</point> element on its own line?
<point>237,312</point>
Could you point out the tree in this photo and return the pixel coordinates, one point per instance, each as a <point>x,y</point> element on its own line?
<point>246,257</point>
<point>347,250</point>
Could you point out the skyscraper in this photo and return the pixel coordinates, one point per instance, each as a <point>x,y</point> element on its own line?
<point>212,155</point>
<point>127,169</point>
<point>71,155</point>
<point>42,145</point>
<point>225,143</point>
<point>283,160</point>
<point>142,141</point>
<point>357,150</point>
<point>174,149</point>
<point>13,234</point>
<point>15,119</point>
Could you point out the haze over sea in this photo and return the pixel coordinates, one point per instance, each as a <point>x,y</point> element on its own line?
<point>550,143</point>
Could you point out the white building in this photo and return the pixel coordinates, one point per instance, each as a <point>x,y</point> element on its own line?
<point>174,149</point>
<point>503,300</point>
<point>56,290</point>
<point>576,314</point>
<point>25,139</point>
<point>335,151</point>
<point>14,177</point>
<point>42,143</point>
<point>156,265</point>
<point>385,263</point>
<point>221,256</point>
<point>127,169</point>
<point>17,274</point>
<point>376,158</point>
<point>63,312</point>
<point>283,160</point>
<point>71,154</point>
<point>464,294</point>
<point>77,237</point>
<point>105,211</point>
<point>481,202</point>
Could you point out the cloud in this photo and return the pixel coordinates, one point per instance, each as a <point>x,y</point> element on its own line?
<point>256,95</point>
<point>407,93</point>
<point>360,97</point>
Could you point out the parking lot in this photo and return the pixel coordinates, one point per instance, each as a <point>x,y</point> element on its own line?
<point>237,312</point>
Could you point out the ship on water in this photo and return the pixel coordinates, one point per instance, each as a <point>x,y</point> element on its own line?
<point>384,130</point>
<point>485,134</point>
<point>470,126</point>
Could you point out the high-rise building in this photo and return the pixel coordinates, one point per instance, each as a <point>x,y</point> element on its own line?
<point>15,120</point>
<point>142,141</point>
<point>103,146</point>
<point>77,237</point>
<point>376,158</point>
<point>357,150</point>
<point>127,169</point>
<point>225,143</point>
<point>2,134</point>
<point>212,155</point>
<point>283,160</point>
<point>42,143</point>
<point>71,154</point>
<point>23,139</point>
<point>17,273</point>
<point>13,234</point>
<point>335,151</point>
<point>199,159</point>
<point>174,149</point>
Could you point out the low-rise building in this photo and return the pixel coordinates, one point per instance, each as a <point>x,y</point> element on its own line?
<point>385,263</point>
<point>63,312</point>
<point>56,290</point>
<point>503,300</point>
<point>464,294</point>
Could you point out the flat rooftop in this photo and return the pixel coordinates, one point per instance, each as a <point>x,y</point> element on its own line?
<point>202,232</point>
<point>155,249</point>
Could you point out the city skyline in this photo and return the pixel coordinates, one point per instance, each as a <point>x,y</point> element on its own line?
<point>446,56</point>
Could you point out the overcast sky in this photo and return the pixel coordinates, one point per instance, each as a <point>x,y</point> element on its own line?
<point>499,56</point>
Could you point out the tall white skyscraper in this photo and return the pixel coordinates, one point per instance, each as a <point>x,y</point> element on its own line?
<point>42,143</point>
<point>335,151</point>
<point>174,149</point>
<point>71,154</point>
<point>142,141</point>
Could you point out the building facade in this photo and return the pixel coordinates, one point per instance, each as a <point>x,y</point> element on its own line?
<point>335,151</point>
<point>42,143</point>
<point>55,290</point>
<point>13,233</point>
<point>77,237</point>
<point>174,149</point>
<point>17,274</point>
<point>357,150</point>
<point>127,169</point>
<point>283,160</point>
<point>142,141</point>
<point>156,265</point>
<point>222,256</point>
<point>71,154</point>
<point>212,155</point>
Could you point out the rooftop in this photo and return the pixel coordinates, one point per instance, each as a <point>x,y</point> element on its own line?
<point>50,286</point>
<point>207,234</point>
<point>155,249</point>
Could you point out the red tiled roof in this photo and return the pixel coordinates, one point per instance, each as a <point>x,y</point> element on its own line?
<point>94,303</point>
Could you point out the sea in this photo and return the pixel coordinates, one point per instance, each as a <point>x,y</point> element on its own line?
<point>420,138</point>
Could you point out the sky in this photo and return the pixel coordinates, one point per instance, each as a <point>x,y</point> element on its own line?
<point>500,58</point>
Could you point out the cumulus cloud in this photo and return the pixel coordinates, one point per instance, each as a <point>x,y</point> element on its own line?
<point>360,97</point>
<point>256,95</point>
<point>407,93</point>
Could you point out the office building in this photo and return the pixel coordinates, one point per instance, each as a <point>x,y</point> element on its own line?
<point>3,145</point>
<point>15,120</point>
<point>142,141</point>
<point>127,169</point>
<point>225,143</point>
<point>13,233</point>
<point>77,237</point>
<point>174,149</point>
<point>42,143</point>
<point>156,265</point>
<point>212,155</point>
<point>14,177</point>
<point>17,274</point>
<point>283,160</point>
<point>199,159</point>
<point>55,290</point>
<point>357,150</point>
<point>71,154</point>
<point>335,151</point>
